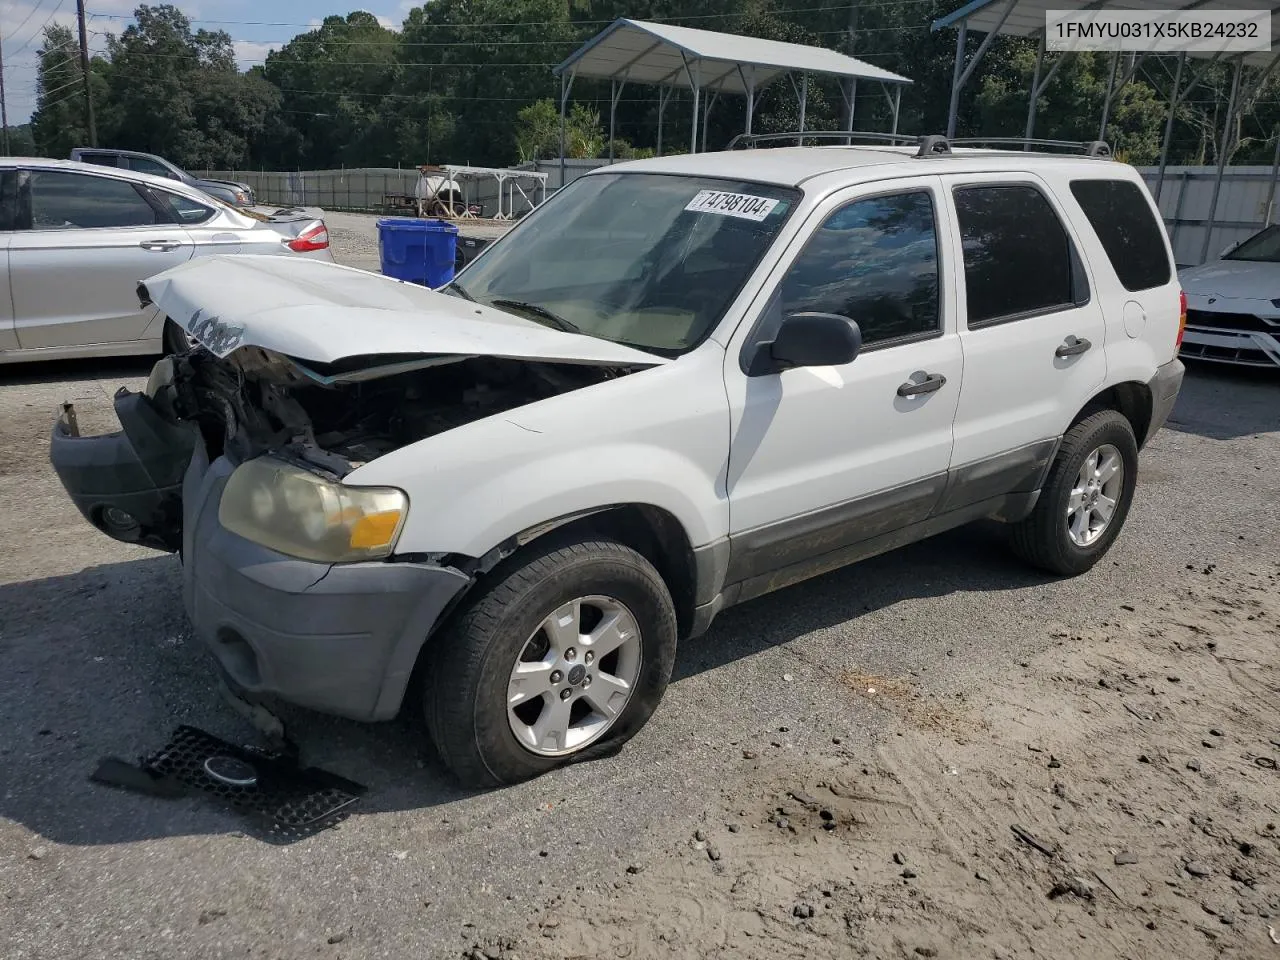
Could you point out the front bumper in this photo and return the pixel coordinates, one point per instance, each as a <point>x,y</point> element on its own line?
<point>338,638</point>
<point>1247,348</point>
<point>1164,388</point>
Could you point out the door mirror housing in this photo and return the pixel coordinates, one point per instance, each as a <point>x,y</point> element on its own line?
<point>808,340</point>
<point>1229,248</point>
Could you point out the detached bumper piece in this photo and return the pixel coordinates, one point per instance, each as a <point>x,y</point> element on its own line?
<point>281,801</point>
<point>128,484</point>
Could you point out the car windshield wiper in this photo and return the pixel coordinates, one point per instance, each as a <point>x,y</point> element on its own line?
<point>457,287</point>
<point>553,319</point>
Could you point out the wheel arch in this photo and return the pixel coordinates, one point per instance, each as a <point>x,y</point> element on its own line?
<point>1131,399</point>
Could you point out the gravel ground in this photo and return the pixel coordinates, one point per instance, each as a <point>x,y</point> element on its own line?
<point>99,661</point>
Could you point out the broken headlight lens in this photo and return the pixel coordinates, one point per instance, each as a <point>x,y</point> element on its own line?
<point>298,513</point>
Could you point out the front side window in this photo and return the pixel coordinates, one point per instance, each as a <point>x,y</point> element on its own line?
<point>649,260</point>
<point>874,261</point>
<point>1121,217</point>
<point>65,201</point>
<point>1017,256</point>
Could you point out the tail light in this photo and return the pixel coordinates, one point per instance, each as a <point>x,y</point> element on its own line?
<point>1182,317</point>
<point>315,237</point>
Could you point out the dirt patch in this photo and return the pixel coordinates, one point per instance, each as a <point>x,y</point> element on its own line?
<point>1117,796</point>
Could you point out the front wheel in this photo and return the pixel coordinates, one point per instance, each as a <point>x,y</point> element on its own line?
<point>565,655</point>
<point>1086,498</point>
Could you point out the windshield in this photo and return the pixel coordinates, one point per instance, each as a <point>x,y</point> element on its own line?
<point>649,260</point>
<point>1262,247</point>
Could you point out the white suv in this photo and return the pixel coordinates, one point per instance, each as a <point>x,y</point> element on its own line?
<point>678,385</point>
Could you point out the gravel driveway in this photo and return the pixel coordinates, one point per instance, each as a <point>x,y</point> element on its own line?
<point>99,661</point>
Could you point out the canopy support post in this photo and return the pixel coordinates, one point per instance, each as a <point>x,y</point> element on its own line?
<point>1271,187</point>
<point>1222,161</point>
<point>850,101</point>
<point>1168,125</point>
<point>962,73</point>
<point>750,86</point>
<point>802,97</point>
<point>1035,93</point>
<point>566,85</point>
<point>897,106</point>
<point>615,92</point>
<point>1111,88</point>
<point>695,81</point>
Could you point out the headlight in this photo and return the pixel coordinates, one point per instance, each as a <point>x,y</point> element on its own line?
<point>306,516</point>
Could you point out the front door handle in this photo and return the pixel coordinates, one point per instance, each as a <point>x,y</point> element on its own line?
<point>1072,346</point>
<point>162,246</point>
<point>931,383</point>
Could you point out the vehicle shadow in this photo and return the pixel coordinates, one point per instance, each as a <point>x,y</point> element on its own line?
<point>1222,402</point>
<point>76,371</point>
<point>102,663</point>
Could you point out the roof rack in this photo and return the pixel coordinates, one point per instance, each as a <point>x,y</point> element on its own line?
<point>1091,148</point>
<point>747,141</point>
<point>930,145</point>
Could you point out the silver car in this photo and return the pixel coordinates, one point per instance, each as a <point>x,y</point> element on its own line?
<point>78,238</point>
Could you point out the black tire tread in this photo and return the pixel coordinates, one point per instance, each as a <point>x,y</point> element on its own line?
<point>1036,539</point>
<point>457,654</point>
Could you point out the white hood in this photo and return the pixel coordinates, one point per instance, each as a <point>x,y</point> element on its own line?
<point>323,313</point>
<point>1233,280</point>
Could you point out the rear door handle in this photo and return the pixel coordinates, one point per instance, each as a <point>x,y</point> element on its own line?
<point>1072,346</point>
<point>162,246</point>
<point>931,383</point>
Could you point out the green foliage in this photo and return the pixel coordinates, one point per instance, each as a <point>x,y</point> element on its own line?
<point>470,81</point>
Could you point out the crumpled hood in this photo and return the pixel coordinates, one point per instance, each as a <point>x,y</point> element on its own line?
<point>324,313</point>
<point>1234,280</point>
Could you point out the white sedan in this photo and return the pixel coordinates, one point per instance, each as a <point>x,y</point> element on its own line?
<point>1233,304</point>
<point>76,239</point>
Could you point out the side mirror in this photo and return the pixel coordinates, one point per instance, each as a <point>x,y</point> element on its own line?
<point>809,340</point>
<point>1229,248</point>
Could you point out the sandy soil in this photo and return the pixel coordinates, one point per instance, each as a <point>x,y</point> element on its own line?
<point>1116,796</point>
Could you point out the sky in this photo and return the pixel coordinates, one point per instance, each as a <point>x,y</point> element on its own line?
<point>256,26</point>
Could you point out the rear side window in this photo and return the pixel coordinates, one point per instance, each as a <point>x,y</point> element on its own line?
<point>61,201</point>
<point>145,165</point>
<point>1122,219</point>
<point>1018,259</point>
<point>101,159</point>
<point>184,210</point>
<point>874,261</point>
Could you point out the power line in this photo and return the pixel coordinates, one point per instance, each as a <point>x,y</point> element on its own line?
<point>40,30</point>
<point>30,13</point>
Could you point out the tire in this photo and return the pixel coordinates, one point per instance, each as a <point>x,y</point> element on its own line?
<point>1045,538</point>
<point>471,670</point>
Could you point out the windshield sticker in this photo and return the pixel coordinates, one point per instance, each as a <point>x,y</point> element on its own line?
<point>732,204</point>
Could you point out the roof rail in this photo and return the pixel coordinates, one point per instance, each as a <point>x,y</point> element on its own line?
<point>1091,148</point>
<point>747,141</point>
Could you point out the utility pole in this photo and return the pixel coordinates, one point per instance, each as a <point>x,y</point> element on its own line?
<point>4,110</point>
<point>84,69</point>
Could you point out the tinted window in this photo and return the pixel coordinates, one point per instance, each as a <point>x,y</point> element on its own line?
<point>101,159</point>
<point>185,210</point>
<point>143,165</point>
<point>1122,219</point>
<point>1017,257</point>
<point>874,261</point>
<point>68,200</point>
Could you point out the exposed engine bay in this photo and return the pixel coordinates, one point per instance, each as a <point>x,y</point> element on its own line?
<point>252,403</point>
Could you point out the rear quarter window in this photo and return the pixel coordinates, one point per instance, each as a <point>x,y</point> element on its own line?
<point>1120,215</point>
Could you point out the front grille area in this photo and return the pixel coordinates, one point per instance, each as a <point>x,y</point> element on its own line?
<point>1244,354</point>
<point>1213,320</point>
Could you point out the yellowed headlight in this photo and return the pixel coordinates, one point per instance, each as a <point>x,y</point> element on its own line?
<point>301,514</point>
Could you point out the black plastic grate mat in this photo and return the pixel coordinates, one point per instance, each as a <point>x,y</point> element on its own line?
<point>281,801</point>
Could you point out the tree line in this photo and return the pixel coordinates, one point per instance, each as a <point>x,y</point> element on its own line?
<point>470,81</point>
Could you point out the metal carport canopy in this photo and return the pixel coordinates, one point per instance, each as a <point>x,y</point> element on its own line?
<point>638,51</point>
<point>675,58</point>
<point>1027,18</point>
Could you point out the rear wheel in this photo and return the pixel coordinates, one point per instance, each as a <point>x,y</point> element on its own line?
<point>565,656</point>
<point>1086,498</point>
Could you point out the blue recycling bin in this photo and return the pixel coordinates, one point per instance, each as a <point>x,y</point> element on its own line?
<point>419,251</point>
